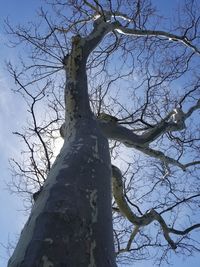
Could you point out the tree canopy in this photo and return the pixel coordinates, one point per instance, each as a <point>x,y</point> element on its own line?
<point>143,88</point>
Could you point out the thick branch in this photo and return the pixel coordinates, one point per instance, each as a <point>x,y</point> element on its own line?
<point>124,208</point>
<point>101,28</point>
<point>128,138</point>
<point>192,109</point>
<point>117,188</point>
<point>147,218</point>
<point>157,33</point>
<point>174,121</point>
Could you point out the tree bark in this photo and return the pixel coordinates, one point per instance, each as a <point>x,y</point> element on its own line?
<point>71,220</point>
<point>70,223</point>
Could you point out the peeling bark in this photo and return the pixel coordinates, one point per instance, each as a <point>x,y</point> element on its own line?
<point>71,221</point>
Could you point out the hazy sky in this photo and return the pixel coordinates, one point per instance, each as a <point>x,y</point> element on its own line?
<point>12,117</point>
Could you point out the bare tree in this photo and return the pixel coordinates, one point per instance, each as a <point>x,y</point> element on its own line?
<point>128,79</point>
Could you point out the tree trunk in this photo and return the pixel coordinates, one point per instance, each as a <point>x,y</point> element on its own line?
<point>71,222</point>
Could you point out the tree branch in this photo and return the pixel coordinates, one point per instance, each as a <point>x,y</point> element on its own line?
<point>124,208</point>
<point>156,33</point>
<point>174,121</point>
<point>147,218</point>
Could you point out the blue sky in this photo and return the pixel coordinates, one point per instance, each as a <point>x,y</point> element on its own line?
<point>12,117</point>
